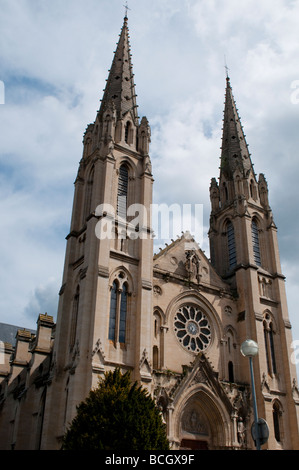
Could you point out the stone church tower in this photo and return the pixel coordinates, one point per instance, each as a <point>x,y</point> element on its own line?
<point>105,303</point>
<point>176,320</point>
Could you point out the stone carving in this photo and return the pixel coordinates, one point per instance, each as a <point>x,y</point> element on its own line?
<point>157,290</point>
<point>98,349</point>
<point>194,423</point>
<point>241,432</point>
<point>265,286</point>
<point>145,367</point>
<point>228,310</point>
<point>192,265</point>
<point>295,389</point>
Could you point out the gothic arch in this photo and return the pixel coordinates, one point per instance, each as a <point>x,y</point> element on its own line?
<point>224,222</point>
<point>268,315</point>
<point>277,412</point>
<point>227,243</point>
<point>253,192</point>
<point>129,131</point>
<point>230,361</point>
<point>270,342</point>
<point>122,276</point>
<point>161,313</point>
<point>158,338</point>
<point>212,424</point>
<point>258,219</point>
<point>224,193</point>
<point>127,161</point>
<point>232,329</point>
<point>238,179</point>
<point>120,308</point>
<point>230,245</point>
<point>129,192</point>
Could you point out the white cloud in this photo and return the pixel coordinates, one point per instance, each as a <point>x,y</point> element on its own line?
<point>44,299</point>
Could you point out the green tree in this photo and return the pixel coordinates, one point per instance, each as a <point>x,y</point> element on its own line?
<point>117,415</point>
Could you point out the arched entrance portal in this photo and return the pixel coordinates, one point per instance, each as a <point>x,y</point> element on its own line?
<point>195,430</point>
<point>202,422</point>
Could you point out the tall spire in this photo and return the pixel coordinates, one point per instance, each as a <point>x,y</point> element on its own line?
<point>120,87</point>
<point>235,153</point>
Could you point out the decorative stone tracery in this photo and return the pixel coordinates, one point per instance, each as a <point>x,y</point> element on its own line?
<point>192,328</point>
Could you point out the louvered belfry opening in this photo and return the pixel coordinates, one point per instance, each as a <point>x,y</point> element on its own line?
<point>122,193</point>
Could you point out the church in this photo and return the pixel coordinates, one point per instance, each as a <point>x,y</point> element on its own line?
<point>175,319</point>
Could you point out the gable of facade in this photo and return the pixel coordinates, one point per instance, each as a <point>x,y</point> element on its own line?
<point>193,309</point>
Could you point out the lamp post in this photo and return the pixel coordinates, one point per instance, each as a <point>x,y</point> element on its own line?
<point>250,349</point>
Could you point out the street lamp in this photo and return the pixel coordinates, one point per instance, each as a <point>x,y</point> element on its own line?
<point>250,349</point>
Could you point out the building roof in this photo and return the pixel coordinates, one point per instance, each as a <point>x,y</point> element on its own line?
<point>8,333</point>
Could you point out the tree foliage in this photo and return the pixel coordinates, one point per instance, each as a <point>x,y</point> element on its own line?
<point>117,415</point>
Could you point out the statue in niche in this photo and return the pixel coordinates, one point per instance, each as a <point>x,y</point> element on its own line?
<point>147,165</point>
<point>192,265</point>
<point>241,431</point>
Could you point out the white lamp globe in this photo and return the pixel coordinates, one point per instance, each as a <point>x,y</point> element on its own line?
<point>249,348</point>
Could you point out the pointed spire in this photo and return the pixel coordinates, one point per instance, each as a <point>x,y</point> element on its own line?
<point>235,153</point>
<point>120,87</point>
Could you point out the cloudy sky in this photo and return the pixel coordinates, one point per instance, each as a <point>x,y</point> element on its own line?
<point>54,59</point>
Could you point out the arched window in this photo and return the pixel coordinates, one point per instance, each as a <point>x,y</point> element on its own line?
<point>122,192</point>
<point>127,132</point>
<point>118,312</point>
<point>255,243</point>
<point>269,344</point>
<point>232,254</point>
<point>123,315</point>
<point>225,192</point>
<point>252,189</point>
<point>88,195</point>
<point>113,307</point>
<point>157,340</point>
<point>74,319</point>
<point>276,421</point>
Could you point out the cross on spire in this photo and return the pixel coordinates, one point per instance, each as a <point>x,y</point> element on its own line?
<point>126,8</point>
<point>226,67</point>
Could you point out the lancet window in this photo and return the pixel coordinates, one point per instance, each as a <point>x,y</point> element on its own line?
<point>277,421</point>
<point>269,343</point>
<point>256,243</point>
<point>74,319</point>
<point>122,192</point>
<point>128,132</point>
<point>232,254</point>
<point>118,310</point>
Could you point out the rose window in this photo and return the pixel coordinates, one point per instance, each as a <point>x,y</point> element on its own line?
<point>192,328</point>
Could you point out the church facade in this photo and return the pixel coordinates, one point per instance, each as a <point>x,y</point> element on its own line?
<point>177,319</point>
